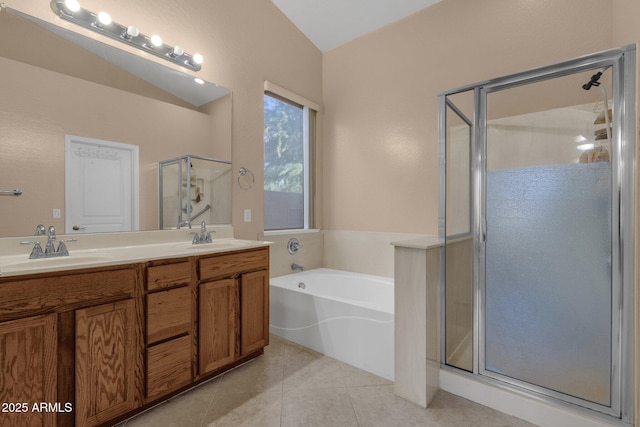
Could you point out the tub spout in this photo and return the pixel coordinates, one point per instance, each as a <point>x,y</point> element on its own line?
<point>295,267</point>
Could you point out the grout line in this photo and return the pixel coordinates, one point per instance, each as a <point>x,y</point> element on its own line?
<point>353,408</point>
<point>215,393</point>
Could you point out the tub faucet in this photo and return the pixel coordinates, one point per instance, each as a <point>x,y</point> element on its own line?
<point>295,267</point>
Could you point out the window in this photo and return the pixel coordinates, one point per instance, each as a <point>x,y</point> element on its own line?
<point>289,130</point>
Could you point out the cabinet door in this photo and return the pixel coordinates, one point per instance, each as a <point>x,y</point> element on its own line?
<point>254,309</point>
<point>105,362</point>
<point>217,323</point>
<point>28,370</point>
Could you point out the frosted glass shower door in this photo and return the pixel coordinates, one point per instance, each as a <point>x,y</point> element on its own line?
<point>548,250</point>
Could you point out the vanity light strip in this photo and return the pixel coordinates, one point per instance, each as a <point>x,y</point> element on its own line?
<point>127,35</point>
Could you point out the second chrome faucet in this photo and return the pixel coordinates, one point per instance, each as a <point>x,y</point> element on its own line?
<point>203,236</point>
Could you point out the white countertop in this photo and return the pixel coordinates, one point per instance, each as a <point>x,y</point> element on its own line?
<point>103,250</point>
<point>426,242</point>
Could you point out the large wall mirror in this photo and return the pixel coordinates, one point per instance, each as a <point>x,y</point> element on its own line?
<point>57,82</point>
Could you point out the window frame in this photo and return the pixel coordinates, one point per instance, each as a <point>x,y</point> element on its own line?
<point>309,110</point>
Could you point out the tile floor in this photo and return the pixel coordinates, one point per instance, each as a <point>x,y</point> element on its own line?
<point>293,386</point>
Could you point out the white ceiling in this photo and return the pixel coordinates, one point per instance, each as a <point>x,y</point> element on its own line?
<point>331,23</point>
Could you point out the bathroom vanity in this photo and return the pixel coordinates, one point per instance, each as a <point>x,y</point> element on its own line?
<point>94,342</point>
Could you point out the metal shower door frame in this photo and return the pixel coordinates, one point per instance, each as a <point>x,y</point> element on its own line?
<point>622,60</point>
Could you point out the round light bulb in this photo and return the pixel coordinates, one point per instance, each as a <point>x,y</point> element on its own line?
<point>197,58</point>
<point>156,40</point>
<point>72,5</point>
<point>178,50</point>
<point>132,31</point>
<point>104,18</point>
<point>199,81</point>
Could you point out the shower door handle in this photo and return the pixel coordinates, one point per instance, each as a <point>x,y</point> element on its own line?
<point>483,230</point>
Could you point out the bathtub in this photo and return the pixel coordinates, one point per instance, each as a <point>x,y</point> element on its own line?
<point>344,315</point>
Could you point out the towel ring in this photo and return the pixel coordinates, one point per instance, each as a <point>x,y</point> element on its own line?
<point>243,172</point>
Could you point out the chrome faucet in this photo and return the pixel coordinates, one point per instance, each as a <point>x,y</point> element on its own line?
<point>184,223</point>
<point>51,237</point>
<point>40,230</point>
<point>203,236</point>
<point>295,267</point>
<point>50,249</point>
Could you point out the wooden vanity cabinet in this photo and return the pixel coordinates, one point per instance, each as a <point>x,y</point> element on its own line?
<point>99,344</point>
<point>169,323</point>
<point>69,344</point>
<point>27,370</point>
<point>254,311</point>
<point>233,307</point>
<point>218,301</point>
<point>108,369</point>
<point>105,362</point>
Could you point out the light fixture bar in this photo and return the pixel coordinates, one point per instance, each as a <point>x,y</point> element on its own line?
<point>127,35</point>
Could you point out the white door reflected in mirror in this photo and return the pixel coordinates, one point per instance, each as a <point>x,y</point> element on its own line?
<point>101,186</point>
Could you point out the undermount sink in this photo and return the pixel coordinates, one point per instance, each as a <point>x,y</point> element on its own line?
<point>20,264</point>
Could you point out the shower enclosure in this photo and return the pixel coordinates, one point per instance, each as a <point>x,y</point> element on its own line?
<point>194,189</point>
<point>536,212</point>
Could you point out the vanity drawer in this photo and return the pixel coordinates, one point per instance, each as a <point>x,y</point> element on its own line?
<point>61,291</point>
<point>168,314</point>
<point>168,275</point>
<point>168,366</point>
<point>233,263</point>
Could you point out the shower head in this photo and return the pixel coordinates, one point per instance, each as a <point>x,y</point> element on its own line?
<point>593,82</point>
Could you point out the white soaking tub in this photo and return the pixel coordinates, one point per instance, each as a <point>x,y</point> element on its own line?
<point>344,315</point>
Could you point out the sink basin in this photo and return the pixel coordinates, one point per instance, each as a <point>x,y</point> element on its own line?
<point>15,264</point>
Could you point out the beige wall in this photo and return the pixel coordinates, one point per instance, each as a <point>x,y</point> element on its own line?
<point>243,43</point>
<point>380,134</point>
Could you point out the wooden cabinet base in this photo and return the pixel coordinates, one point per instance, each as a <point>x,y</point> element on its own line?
<point>105,370</point>
<point>99,345</point>
<point>28,371</point>
<point>168,366</point>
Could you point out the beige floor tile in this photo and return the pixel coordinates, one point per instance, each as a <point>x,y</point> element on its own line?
<point>185,410</point>
<point>377,406</point>
<point>245,410</point>
<point>304,368</point>
<point>325,407</point>
<point>261,374</point>
<point>354,377</point>
<point>293,386</point>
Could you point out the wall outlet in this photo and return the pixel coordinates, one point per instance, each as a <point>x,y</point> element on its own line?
<point>56,213</point>
<point>247,215</point>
